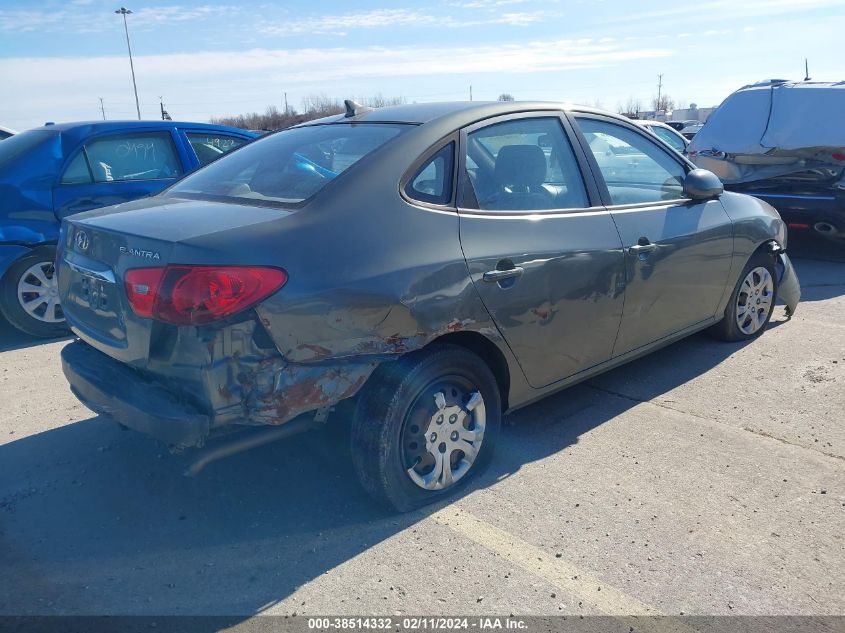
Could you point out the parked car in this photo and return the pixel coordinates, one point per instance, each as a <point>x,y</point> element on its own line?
<point>783,142</point>
<point>54,171</point>
<point>5,133</point>
<point>423,268</point>
<point>680,125</point>
<point>665,133</point>
<point>689,131</point>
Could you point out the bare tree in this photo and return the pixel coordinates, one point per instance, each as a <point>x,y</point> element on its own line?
<point>321,105</point>
<point>506,97</point>
<point>380,101</point>
<point>632,107</point>
<point>664,103</point>
<point>314,106</point>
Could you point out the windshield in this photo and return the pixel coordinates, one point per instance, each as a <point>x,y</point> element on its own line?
<point>16,145</point>
<point>287,168</point>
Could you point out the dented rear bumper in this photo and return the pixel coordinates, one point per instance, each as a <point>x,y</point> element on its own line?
<point>109,387</point>
<point>269,391</point>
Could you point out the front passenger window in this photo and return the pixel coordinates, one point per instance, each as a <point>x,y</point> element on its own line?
<point>523,164</point>
<point>210,146</point>
<point>635,169</point>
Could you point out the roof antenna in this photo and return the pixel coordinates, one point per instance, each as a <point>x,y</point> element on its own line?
<point>806,70</point>
<point>354,109</point>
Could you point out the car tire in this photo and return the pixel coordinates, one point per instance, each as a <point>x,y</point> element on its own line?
<point>29,278</point>
<point>444,389</point>
<point>752,301</point>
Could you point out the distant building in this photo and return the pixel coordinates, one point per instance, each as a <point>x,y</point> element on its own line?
<point>692,113</point>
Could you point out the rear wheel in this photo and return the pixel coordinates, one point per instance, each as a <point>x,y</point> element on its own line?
<point>29,295</point>
<point>752,302</point>
<point>425,426</point>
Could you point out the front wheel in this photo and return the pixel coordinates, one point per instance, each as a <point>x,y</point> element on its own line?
<point>752,301</point>
<point>29,295</point>
<point>425,426</point>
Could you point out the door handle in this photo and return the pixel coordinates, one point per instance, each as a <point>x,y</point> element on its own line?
<point>642,248</point>
<point>500,275</point>
<point>636,249</point>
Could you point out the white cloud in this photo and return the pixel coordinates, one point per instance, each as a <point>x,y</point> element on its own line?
<point>379,18</point>
<point>486,4</point>
<point>342,23</point>
<point>208,81</point>
<point>719,10</point>
<point>76,21</point>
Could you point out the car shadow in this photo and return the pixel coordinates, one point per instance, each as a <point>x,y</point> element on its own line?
<point>820,265</point>
<point>12,338</point>
<point>97,520</point>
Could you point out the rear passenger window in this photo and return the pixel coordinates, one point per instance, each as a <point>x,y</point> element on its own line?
<point>523,165</point>
<point>77,171</point>
<point>133,157</point>
<point>433,181</point>
<point>210,146</point>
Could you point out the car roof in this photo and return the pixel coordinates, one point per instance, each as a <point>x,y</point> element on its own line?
<point>96,127</point>
<point>460,112</point>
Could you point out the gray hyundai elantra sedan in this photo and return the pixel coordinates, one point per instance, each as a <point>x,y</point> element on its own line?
<point>414,272</point>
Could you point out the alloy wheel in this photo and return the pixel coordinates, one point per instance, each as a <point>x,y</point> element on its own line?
<point>754,300</point>
<point>38,293</point>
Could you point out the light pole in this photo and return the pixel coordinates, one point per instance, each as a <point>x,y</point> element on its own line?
<point>124,12</point>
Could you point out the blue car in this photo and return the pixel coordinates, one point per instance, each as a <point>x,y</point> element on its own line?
<point>54,171</point>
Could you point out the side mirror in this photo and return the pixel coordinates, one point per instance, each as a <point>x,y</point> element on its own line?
<point>701,184</point>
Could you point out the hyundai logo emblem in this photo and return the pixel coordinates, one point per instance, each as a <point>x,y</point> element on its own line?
<point>82,241</point>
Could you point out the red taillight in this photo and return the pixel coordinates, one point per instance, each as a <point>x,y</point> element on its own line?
<point>142,289</point>
<point>798,225</point>
<point>193,295</point>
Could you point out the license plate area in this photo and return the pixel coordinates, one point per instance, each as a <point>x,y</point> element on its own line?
<point>92,302</point>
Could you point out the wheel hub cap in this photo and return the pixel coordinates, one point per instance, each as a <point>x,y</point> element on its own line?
<point>38,293</point>
<point>754,301</point>
<point>452,440</point>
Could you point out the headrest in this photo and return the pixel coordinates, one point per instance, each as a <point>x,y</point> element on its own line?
<point>520,166</point>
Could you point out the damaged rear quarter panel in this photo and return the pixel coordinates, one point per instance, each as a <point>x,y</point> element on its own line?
<point>372,275</point>
<point>243,382</point>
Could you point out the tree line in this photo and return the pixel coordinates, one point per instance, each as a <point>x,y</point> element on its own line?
<point>314,106</point>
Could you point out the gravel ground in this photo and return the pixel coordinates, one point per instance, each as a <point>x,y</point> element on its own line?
<point>707,478</point>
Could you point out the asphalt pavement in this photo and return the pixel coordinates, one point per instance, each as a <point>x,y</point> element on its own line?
<point>707,478</point>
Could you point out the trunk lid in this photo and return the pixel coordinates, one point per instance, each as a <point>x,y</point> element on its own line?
<point>98,247</point>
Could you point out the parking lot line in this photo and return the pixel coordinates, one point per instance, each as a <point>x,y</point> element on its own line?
<point>557,571</point>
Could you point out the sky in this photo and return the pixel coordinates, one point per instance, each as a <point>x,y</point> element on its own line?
<point>207,59</point>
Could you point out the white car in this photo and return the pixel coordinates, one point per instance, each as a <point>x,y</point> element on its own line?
<point>665,133</point>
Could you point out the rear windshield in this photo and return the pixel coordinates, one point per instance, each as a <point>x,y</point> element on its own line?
<point>287,168</point>
<point>19,144</point>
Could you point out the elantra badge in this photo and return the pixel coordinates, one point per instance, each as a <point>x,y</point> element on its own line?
<point>128,250</point>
